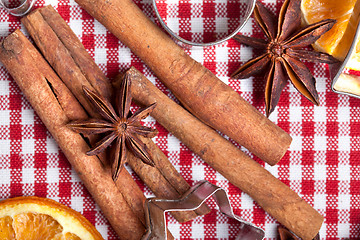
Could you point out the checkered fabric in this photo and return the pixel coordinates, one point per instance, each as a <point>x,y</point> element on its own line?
<point>322,164</point>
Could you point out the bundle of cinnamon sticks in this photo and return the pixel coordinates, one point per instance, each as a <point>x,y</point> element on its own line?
<point>57,98</point>
<point>56,105</point>
<point>65,53</point>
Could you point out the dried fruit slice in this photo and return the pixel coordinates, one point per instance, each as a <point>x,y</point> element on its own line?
<point>7,231</point>
<point>354,61</point>
<point>33,218</point>
<point>348,83</point>
<point>316,10</point>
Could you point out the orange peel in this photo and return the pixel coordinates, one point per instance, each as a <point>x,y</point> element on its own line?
<point>33,218</point>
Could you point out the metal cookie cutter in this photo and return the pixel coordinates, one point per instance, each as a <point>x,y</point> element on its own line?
<point>155,210</point>
<point>342,81</point>
<point>250,5</point>
<point>20,9</point>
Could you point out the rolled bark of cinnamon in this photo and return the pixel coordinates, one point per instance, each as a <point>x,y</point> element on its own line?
<point>165,167</point>
<point>46,92</point>
<point>200,91</point>
<point>59,44</point>
<point>66,54</point>
<point>271,194</point>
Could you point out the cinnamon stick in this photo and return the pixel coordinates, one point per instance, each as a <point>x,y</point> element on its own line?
<point>271,194</point>
<point>46,92</point>
<point>66,54</point>
<point>59,44</point>
<point>200,91</point>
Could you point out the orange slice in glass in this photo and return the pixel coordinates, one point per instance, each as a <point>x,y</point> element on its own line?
<point>341,10</point>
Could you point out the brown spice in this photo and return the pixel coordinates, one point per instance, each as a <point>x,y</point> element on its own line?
<point>55,105</point>
<point>285,234</point>
<point>57,41</point>
<point>37,24</point>
<point>271,194</point>
<point>199,90</point>
<point>120,126</point>
<point>59,44</point>
<point>283,52</point>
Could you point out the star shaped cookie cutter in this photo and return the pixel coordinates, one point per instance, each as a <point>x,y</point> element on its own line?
<point>155,210</point>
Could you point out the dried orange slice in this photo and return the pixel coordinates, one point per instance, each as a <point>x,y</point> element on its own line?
<point>33,218</point>
<point>354,61</point>
<point>316,10</point>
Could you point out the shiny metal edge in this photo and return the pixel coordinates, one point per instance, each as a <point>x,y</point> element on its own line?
<point>155,210</point>
<point>249,11</point>
<point>21,10</point>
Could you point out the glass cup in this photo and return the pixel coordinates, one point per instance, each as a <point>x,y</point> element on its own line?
<point>17,7</point>
<point>203,22</point>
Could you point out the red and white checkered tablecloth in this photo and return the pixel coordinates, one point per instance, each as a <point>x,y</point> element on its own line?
<point>322,164</point>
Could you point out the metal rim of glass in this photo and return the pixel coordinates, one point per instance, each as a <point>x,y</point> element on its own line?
<point>21,10</point>
<point>250,8</point>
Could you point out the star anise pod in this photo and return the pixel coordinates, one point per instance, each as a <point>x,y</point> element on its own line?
<point>121,126</point>
<point>285,234</point>
<point>284,52</point>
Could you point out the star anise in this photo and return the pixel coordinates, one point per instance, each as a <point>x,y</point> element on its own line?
<point>121,126</point>
<point>283,52</point>
<point>285,234</point>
